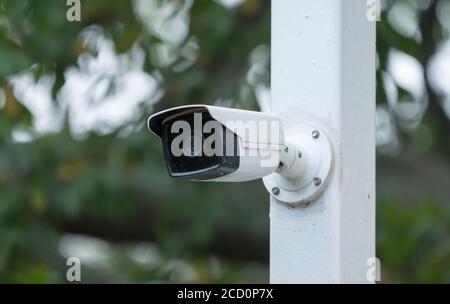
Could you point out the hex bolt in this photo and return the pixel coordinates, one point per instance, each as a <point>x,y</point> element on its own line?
<point>317,181</point>
<point>300,154</point>
<point>276,191</point>
<point>315,134</point>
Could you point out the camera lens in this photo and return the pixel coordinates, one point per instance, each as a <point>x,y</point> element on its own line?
<point>193,145</point>
<point>195,162</point>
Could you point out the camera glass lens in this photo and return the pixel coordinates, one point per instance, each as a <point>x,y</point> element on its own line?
<point>185,149</point>
<point>192,145</point>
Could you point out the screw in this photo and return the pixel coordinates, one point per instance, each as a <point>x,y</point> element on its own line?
<point>315,134</point>
<point>317,181</point>
<point>286,149</point>
<point>276,190</point>
<point>300,154</point>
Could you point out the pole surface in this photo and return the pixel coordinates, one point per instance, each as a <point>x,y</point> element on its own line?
<point>323,67</point>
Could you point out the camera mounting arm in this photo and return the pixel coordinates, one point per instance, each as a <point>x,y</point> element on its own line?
<point>305,166</point>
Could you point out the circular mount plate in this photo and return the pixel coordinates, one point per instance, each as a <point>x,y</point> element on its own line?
<point>314,167</point>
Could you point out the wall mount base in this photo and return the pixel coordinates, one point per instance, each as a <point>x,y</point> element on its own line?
<point>305,167</point>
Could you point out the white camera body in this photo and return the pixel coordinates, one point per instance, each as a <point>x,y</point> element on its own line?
<point>209,143</point>
<point>256,139</point>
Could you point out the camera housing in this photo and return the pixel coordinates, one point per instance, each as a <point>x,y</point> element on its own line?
<point>212,143</point>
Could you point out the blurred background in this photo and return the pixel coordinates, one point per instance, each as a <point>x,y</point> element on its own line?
<point>81,176</point>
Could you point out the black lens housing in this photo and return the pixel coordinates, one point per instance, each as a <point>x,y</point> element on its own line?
<point>199,167</point>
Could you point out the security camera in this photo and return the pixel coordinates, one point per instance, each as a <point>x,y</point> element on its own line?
<point>209,143</point>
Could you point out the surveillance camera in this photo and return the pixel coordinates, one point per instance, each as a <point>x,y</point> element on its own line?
<point>209,143</point>
<point>218,144</point>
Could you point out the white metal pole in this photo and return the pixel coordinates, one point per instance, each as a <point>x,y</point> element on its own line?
<point>323,67</point>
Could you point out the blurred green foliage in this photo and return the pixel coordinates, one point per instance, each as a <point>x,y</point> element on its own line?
<point>105,195</point>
